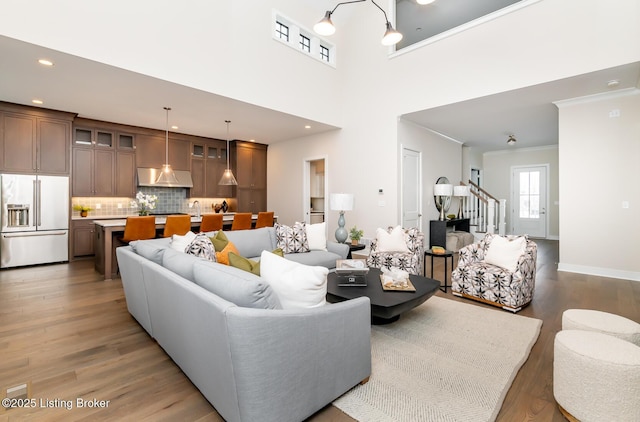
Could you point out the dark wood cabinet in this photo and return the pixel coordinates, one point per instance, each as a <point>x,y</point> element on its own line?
<point>94,160</point>
<point>83,237</point>
<point>438,230</point>
<point>208,162</point>
<point>251,174</point>
<point>151,152</point>
<point>33,140</point>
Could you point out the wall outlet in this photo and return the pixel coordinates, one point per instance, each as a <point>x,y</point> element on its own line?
<point>119,205</point>
<point>98,206</point>
<point>381,203</point>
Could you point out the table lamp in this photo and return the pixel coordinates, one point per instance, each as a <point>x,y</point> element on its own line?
<point>461,192</point>
<point>441,191</point>
<point>341,202</point>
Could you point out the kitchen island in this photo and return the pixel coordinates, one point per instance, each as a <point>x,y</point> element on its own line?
<point>107,232</point>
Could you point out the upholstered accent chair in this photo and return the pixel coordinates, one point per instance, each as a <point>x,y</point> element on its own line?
<point>503,277</point>
<point>412,260</point>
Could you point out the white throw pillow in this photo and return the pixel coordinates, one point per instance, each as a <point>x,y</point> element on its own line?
<point>391,242</point>
<point>317,236</point>
<point>296,285</point>
<point>180,243</point>
<point>505,252</point>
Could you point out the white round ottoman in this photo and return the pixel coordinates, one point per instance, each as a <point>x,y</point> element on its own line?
<point>596,377</point>
<point>603,322</point>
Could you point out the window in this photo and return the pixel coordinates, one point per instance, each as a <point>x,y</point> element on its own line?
<point>305,43</point>
<point>529,195</point>
<point>324,53</point>
<point>282,31</point>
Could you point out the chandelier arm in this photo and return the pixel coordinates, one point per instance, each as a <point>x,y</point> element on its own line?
<point>345,2</point>
<point>382,10</point>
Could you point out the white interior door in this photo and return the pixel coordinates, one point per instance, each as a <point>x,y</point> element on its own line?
<point>411,189</point>
<point>529,200</point>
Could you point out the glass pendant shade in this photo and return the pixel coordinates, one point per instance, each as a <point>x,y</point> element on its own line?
<point>166,176</point>
<point>228,179</point>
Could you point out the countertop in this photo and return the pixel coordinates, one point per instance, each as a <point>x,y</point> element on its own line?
<point>120,222</point>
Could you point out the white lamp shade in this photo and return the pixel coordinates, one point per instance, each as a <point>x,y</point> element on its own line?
<point>461,191</point>
<point>341,201</point>
<point>442,189</point>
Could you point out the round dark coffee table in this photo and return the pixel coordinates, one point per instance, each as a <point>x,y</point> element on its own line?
<point>386,306</point>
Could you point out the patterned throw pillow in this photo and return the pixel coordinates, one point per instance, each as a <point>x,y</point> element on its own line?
<point>292,239</point>
<point>202,248</point>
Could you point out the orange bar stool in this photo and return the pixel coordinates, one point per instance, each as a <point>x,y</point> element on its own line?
<point>177,224</point>
<point>241,221</point>
<point>139,228</point>
<point>265,219</point>
<point>211,222</point>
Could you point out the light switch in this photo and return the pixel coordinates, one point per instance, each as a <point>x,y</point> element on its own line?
<point>625,204</point>
<point>381,203</point>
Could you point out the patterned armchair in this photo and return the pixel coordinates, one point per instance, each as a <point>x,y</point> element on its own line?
<point>412,262</point>
<point>478,280</point>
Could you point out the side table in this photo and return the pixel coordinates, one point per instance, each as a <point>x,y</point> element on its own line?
<point>445,255</point>
<point>358,247</point>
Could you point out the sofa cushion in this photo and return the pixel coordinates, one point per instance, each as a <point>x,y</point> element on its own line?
<point>320,258</point>
<point>505,252</point>
<point>296,285</point>
<point>292,239</point>
<point>223,256</point>
<point>180,263</point>
<point>317,236</point>
<point>219,240</point>
<point>202,247</point>
<point>181,242</point>
<point>251,243</point>
<point>152,249</point>
<point>391,241</point>
<point>236,286</point>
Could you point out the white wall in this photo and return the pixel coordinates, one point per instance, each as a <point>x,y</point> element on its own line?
<point>599,170</point>
<point>497,179</point>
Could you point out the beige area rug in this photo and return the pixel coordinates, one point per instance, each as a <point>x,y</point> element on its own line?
<point>442,361</point>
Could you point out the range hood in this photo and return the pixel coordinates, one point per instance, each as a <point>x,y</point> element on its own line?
<point>148,177</point>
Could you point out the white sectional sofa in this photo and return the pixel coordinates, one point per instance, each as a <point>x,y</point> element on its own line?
<point>224,329</point>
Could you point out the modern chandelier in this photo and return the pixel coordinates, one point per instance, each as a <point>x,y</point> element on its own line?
<point>325,26</point>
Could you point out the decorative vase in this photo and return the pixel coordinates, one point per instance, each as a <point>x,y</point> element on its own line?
<point>84,213</point>
<point>354,242</point>
<point>225,206</point>
<point>217,208</point>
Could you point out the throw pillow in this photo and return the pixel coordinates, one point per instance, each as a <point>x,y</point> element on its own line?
<point>296,285</point>
<point>247,264</point>
<point>505,251</point>
<point>202,247</point>
<point>292,239</point>
<point>219,241</point>
<point>392,241</point>
<point>317,236</point>
<point>181,242</point>
<point>223,256</point>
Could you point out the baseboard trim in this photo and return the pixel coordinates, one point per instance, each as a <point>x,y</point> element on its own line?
<point>602,272</point>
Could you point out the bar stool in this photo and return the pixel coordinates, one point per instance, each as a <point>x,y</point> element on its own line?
<point>265,219</point>
<point>177,224</point>
<point>139,228</point>
<point>211,222</point>
<point>241,221</point>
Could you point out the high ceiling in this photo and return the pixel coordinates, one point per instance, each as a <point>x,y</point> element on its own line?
<point>103,92</point>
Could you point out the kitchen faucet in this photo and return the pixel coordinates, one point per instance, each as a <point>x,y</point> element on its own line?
<point>196,204</point>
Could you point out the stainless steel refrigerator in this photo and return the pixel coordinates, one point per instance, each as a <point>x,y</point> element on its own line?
<point>35,219</point>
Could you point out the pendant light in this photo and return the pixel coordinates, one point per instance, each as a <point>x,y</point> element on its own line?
<point>227,177</point>
<point>166,176</point>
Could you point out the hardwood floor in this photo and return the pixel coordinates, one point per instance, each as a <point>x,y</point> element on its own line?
<point>68,335</point>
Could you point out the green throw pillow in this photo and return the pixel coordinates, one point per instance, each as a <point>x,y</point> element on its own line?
<point>219,241</point>
<point>249,265</point>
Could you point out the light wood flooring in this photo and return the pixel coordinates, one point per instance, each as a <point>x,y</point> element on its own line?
<point>68,335</point>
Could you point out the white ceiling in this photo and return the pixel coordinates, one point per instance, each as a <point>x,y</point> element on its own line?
<point>97,91</point>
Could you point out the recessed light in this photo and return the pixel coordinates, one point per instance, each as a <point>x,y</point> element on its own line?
<point>423,2</point>
<point>307,127</point>
<point>174,127</point>
<point>252,140</point>
<point>36,101</point>
<point>45,62</point>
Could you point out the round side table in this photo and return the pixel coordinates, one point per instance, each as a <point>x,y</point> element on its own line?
<point>447,254</point>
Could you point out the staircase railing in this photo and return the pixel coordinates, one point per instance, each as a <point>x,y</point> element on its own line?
<point>485,212</point>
